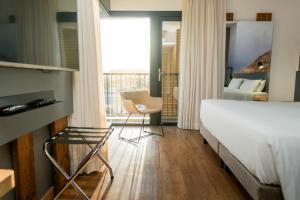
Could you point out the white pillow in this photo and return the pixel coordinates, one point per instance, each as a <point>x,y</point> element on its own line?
<point>250,85</point>
<point>235,83</point>
<point>261,86</point>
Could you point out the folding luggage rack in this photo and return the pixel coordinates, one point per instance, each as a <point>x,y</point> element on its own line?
<point>95,138</point>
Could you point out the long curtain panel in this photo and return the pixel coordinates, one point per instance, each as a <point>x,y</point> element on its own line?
<point>88,89</point>
<point>202,62</point>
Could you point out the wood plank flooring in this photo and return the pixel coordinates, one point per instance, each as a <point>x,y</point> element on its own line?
<point>89,183</point>
<point>175,167</point>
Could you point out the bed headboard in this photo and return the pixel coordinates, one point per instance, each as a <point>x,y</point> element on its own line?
<point>255,76</point>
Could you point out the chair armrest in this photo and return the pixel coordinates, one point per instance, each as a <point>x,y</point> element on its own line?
<point>130,106</point>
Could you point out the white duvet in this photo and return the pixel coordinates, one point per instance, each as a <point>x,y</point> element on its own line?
<point>264,136</point>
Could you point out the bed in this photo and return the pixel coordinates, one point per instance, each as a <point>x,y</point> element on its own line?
<point>258,141</point>
<point>236,91</point>
<point>237,94</point>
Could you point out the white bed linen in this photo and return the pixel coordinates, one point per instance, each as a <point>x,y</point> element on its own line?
<point>237,94</point>
<point>263,136</point>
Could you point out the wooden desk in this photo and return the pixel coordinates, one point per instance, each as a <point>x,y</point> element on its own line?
<point>7,181</point>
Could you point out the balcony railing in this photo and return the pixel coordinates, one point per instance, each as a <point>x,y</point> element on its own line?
<point>114,83</point>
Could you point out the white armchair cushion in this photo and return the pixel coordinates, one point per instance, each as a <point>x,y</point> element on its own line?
<point>140,102</point>
<point>250,85</point>
<point>235,83</point>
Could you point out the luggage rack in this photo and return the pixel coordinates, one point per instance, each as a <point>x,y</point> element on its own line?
<point>95,138</point>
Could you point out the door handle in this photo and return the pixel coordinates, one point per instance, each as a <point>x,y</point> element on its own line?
<point>159,75</point>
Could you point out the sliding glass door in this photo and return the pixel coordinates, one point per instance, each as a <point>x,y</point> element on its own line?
<point>128,38</point>
<point>165,58</point>
<point>169,71</point>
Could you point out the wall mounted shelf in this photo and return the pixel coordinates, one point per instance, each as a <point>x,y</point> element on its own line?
<point>37,67</point>
<point>14,126</point>
<point>26,110</point>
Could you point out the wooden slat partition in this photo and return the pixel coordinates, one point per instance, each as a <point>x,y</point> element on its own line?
<point>60,152</point>
<point>264,17</point>
<point>23,159</point>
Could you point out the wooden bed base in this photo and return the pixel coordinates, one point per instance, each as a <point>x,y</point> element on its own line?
<point>256,190</point>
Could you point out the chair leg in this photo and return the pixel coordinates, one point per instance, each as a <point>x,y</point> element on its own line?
<point>124,126</point>
<point>136,140</point>
<point>142,129</point>
<point>158,134</point>
<point>149,132</point>
<point>132,140</point>
<point>162,130</point>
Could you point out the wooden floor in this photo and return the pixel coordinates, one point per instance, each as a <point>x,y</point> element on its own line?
<point>89,183</point>
<point>177,166</point>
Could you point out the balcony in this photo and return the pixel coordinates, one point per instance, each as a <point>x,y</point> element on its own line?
<point>114,83</point>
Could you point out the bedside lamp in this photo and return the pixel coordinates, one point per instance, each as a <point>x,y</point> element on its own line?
<point>260,66</point>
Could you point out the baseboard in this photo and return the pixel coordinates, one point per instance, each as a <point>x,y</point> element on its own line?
<point>49,194</point>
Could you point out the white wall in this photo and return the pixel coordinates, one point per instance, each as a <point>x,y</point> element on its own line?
<point>146,5</point>
<point>66,6</point>
<point>286,44</point>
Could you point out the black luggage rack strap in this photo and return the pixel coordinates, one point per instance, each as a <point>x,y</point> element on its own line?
<point>95,138</point>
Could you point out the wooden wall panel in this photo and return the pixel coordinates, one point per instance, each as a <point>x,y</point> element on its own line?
<point>264,17</point>
<point>60,152</point>
<point>229,17</point>
<point>23,160</point>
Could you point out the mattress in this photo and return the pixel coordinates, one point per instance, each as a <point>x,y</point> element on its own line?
<point>237,94</point>
<point>263,136</point>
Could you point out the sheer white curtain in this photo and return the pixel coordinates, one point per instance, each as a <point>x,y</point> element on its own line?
<point>202,62</point>
<point>88,90</point>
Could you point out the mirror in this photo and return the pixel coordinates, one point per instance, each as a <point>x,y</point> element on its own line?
<point>39,34</point>
<point>248,57</point>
